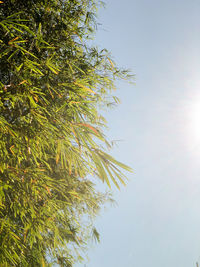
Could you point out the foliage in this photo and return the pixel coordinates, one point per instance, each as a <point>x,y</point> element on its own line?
<point>52,86</point>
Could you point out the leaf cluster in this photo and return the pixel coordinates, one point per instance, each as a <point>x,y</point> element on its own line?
<point>52,83</point>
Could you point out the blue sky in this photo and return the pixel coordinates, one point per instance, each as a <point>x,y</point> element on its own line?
<point>157,220</point>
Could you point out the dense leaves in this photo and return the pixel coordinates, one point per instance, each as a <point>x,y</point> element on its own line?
<point>52,86</point>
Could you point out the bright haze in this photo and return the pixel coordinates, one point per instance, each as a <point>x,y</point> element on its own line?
<point>157,220</point>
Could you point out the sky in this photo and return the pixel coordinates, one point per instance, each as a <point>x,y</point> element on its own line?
<point>157,220</point>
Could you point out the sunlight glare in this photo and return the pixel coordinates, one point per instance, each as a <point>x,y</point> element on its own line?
<point>194,122</point>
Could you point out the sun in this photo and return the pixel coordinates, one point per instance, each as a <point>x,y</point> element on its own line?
<point>194,122</point>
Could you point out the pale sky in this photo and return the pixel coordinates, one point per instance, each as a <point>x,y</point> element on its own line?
<point>157,220</point>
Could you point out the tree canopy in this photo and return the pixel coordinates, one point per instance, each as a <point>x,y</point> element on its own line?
<point>53,84</point>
